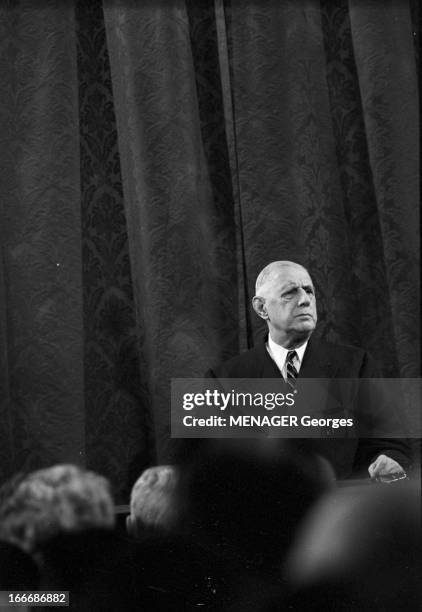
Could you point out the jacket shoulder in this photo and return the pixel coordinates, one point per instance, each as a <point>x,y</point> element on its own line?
<point>245,365</point>
<point>348,360</point>
<point>335,348</point>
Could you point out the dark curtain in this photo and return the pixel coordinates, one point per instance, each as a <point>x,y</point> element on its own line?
<point>155,156</point>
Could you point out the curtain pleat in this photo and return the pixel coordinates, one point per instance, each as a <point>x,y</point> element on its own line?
<point>244,299</point>
<point>183,268</point>
<point>118,422</point>
<point>383,46</point>
<point>40,231</point>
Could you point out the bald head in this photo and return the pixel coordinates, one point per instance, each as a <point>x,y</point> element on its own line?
<point>268,275</point>
<point>285,299</point>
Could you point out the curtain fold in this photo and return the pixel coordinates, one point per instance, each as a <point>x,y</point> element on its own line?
<point>222,18</point>
<point>181,247</point>
<point>383,47</point>
<point>42,402</point>
<point>118,422</point>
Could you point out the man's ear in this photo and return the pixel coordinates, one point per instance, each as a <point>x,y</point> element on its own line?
<point>258,304</point>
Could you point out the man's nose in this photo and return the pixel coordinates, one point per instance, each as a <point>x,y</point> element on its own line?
<point>304,298</point>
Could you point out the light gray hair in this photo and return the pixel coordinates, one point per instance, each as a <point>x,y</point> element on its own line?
<point>153,500</point>
<point>266,273</point>
<point>61,498</point>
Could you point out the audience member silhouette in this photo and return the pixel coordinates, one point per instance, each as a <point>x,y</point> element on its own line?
<point>360,549</point>
<point>247,498</point>
<point>18,571</point>
<point>95,566</point>
<point>250,525</point>
<point>62,498</point>
<point>175,572</point>
<point>154,502</point>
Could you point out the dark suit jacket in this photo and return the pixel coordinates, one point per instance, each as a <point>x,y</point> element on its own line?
<point>349,456</point>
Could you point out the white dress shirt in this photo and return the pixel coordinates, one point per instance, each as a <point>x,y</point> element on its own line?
<point>279,355</point>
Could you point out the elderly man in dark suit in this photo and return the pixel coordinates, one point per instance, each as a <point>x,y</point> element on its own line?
<point>285,299</point>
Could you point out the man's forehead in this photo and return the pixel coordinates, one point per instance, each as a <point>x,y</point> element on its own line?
<point>281,273</point>
<point>290,275</point>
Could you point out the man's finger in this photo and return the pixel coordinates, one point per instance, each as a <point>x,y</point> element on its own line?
<point>383,466</point>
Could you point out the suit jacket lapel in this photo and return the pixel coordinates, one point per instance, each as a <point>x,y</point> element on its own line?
<point>268,367</point>
<point>318,360</point>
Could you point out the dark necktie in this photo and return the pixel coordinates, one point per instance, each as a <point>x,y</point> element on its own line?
<point>291,369</point>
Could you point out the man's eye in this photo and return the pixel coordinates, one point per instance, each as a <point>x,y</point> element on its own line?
<point>309,290</point>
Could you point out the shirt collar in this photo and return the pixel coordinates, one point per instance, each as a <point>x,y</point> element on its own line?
<point>280,353</point>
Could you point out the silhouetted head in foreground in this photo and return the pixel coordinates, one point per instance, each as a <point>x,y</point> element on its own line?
<point>360,549</point>
<point>62,498</point>
<point>247,497</point>
<point>154,501</point>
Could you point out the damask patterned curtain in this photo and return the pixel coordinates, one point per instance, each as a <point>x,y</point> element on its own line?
<point>155,156</point>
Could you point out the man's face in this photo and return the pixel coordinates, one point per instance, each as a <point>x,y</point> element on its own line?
<point>289,304</point>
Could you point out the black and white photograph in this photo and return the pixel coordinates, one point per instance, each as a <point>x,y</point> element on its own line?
<point>210,349</point>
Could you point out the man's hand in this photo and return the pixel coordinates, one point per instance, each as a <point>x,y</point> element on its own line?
<point>383,465</point>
